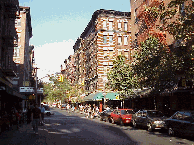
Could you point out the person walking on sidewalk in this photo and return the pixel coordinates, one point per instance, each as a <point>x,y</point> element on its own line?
<point>29,112</point>
<point>42,109</point>
<point>35,117</point>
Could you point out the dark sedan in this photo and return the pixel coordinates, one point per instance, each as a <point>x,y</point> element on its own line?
<point>151,119</point>
<point>105,115</point>
<point>182,122</point>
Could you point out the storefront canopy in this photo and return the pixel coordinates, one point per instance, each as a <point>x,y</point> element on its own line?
<point>99,95</point>
<point>112,96</point>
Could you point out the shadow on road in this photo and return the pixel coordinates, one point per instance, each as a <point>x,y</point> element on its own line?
<point>71,129</point>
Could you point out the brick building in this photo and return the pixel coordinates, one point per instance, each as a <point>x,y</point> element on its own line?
<point>23,52</point>
<point>9,9</point>
<point>107,35</point>
<point>145,24</point>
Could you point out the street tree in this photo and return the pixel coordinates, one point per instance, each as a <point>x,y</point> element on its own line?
<point>153,65</point>
<point>55,90</point>
<point>158,65</point>
<point>121,77</point>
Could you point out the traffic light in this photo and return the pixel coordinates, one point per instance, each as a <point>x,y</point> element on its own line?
<point>60,78</point>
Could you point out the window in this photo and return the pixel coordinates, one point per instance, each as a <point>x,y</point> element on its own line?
<point>126,54</point>
<point>125,40</point>
<point>119,25</point>
<point>19,37</point>
<point>178,115</point>
<point>110,26</point>
<point>104,39</point>
<point>111,39</point>
<point>119,40</point>
<point>18,22</point>
<point>125,26</point>
<point>187,116</point>
<point>16,52</point>
<point>105,69</point>
<point>119,52</point>
<point>104,24</point>
<point>105,53</point>
<point>111,54</point>
<point>139,113</point>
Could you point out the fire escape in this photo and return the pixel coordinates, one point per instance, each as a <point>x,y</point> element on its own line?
<point>146,21</point>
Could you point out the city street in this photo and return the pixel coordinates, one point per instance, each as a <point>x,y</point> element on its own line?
<point>74,128</point>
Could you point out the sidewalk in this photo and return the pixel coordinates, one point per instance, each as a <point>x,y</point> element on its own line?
<point>23,136</point>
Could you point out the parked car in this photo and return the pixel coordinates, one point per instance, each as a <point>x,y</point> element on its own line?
<point>63,106</point>
<point>48,111</point>
<point>54,105</point>
<point>182,122</point>
<point>151,119</point>
<point>122,116</point>
<point>106,115</point>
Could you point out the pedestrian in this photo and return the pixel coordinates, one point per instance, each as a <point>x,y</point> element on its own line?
<point>29,112</point>
<point>35,117</point>
<point>42,109</point>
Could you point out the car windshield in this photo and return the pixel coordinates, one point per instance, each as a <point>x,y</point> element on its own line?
<point>109,110</point>
<point>63,105</point>
<point>127,112</point>
<point>155,114</point>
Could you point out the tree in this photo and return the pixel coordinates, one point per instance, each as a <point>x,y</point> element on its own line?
<point>56,90</point>
<point>153,65</point>
<point>120,77</point>
<point>177,19</point>
<point>158,65</point>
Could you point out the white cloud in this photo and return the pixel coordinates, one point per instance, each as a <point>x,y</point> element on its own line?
<point>50,56</point>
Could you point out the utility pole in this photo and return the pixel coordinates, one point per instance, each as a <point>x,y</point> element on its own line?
<point>36,85</point>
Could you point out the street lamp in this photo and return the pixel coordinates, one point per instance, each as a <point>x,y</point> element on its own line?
<point>36,85</point>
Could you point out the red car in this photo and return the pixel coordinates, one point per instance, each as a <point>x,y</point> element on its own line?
<point>122,116</point>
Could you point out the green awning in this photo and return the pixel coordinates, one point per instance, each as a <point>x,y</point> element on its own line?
<point>89,97</point>
<point>112,96</point>
<point>98,96</point>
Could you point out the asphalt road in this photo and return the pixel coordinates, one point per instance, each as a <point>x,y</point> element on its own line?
<point>73,128</point>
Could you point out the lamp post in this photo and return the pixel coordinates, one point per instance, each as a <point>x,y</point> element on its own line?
<point>36,85</point>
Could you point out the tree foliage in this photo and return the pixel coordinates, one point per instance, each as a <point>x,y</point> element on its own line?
<point>56,90</point>
<point>157,65</point>
<point>120,77</point>
<point>153,65</point>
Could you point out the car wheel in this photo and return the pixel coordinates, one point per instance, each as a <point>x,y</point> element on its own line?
<point>171,131</point>
<point>48,113</point>
<point>149,127</point>
<point>134,124</point>
<point>107,120</point>
<point>121,122</point>
<point>112,121</point>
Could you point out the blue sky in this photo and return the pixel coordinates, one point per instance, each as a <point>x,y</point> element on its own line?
<point>57,24</point>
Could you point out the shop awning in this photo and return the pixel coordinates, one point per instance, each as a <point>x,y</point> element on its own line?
<point>89,97</point>
<point>98,96</point>
<point>112,96</point>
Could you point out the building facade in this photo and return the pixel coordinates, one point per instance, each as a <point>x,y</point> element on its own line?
<point>145,23</point>
<point>9,10</point>
<point>23,52</point>
<point>107,35</point>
